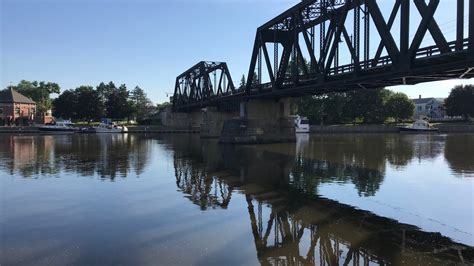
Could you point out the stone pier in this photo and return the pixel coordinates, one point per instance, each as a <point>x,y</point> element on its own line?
<point>260,121</point>
<point>181,120</point>
<point>213,121</point>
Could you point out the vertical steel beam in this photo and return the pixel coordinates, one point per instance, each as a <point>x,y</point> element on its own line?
<point>404,26</point>
<point>322,31</point>
<point>312,41</point>
<point>471,28</point>
<point>259,62</point>
<point>366,35</point>
<point>294,65</point>
<point>275,56</point>
<point>357,30</point>
<point>460,25</point>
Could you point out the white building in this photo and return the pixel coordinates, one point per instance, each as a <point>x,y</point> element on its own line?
<point>428,107</point>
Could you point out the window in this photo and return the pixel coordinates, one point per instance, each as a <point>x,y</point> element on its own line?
<point>1,111</point>
<point>305,122</point>
<point>17,110</point>
<point>419,108</point>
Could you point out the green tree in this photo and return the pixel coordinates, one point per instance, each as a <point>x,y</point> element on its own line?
<point>162,106</point>
<point>399,106</point>
<point>329,108</point>
<point>461,101</point>
<point>39,92</point>
<point>242,82</point>
<point>117,103</point>
<point>65,105</point>
<point>367,105</point>
<point>142,105</point>
<point>104,91</point>
<point>89,105</point>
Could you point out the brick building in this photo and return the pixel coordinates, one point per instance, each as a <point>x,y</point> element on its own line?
<point>16,108</point>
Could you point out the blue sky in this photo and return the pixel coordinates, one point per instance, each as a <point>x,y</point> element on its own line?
<point>146,43</point>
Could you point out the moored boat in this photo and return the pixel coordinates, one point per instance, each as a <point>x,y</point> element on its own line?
<point>301,124</point>
<point>419,126</point>
<point>58,127</point>
<point>107,126</point>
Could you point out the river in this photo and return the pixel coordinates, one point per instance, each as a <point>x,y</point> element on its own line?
<point>178,199</point>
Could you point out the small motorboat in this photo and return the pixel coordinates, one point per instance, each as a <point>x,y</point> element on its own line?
<point>301,124</point>
<point>58,127</point>
<point>109,128</point>
<point>419,126</point>
<point>106,126</point>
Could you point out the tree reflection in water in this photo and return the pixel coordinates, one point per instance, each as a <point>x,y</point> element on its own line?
<point>107,155</point>
<point>459,152</point>
<point>290,224</point>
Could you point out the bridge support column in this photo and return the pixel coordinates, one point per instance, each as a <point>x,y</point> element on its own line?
<point>213,121</point>
<point>182,120</point>
<point>260,121</point>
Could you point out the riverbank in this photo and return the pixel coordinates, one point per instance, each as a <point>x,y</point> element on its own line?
<point>443,128</point>
<point>131,129</point>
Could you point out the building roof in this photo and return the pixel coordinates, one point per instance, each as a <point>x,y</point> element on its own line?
<point>12,96</point>
<point>422,100</point>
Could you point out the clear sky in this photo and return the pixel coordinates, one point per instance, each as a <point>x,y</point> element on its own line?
<point>146,43</point>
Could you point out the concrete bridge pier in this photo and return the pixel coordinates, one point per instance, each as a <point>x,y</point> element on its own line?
<point>260,121</point>
<point>213,121</point>
<point>182,120</point>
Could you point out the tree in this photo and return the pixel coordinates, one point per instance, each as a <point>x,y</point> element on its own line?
<point>104,91</point>
<point>162,106</point>
<point>117,104</point>
<point>142,105</point>
<point>329,108</point>
<point>39,92</point>
<point>367,105</point>
<point>461,101</point>
<point>65,104</point>
<point>242,82</point>
<point>255,78</point>
<point>89,105</point>
<point>399,106</point>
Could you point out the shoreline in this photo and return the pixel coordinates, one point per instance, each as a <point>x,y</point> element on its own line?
<point>331,129</point>
<point>132,129</point>
<point>443,128</point>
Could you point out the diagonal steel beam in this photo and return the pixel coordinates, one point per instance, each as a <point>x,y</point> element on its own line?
<point>384,31</point>
<point>427,17</point>
<point>391,20</point>
<point>433,27</point>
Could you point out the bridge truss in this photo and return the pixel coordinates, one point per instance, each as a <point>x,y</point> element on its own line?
<point>321,46</point>
<point>201,84</point>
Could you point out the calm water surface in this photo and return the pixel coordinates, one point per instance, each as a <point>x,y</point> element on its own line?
<point>176,199</point>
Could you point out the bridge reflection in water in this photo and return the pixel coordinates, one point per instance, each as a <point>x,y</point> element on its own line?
<point>290,223</point>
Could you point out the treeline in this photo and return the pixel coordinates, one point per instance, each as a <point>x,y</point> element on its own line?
<point>105,100</point>
<point>461,102</point>
<point>361,106</point>
<point>90,103</point>
<point>39,92</point>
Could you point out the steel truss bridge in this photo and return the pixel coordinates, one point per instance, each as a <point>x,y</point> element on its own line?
<point>321,46</point>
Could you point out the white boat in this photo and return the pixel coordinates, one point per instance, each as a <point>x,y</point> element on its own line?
<point>419,126</point>
<point>301,124</point>
<point>58,127</point>
<point>109,128</point>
